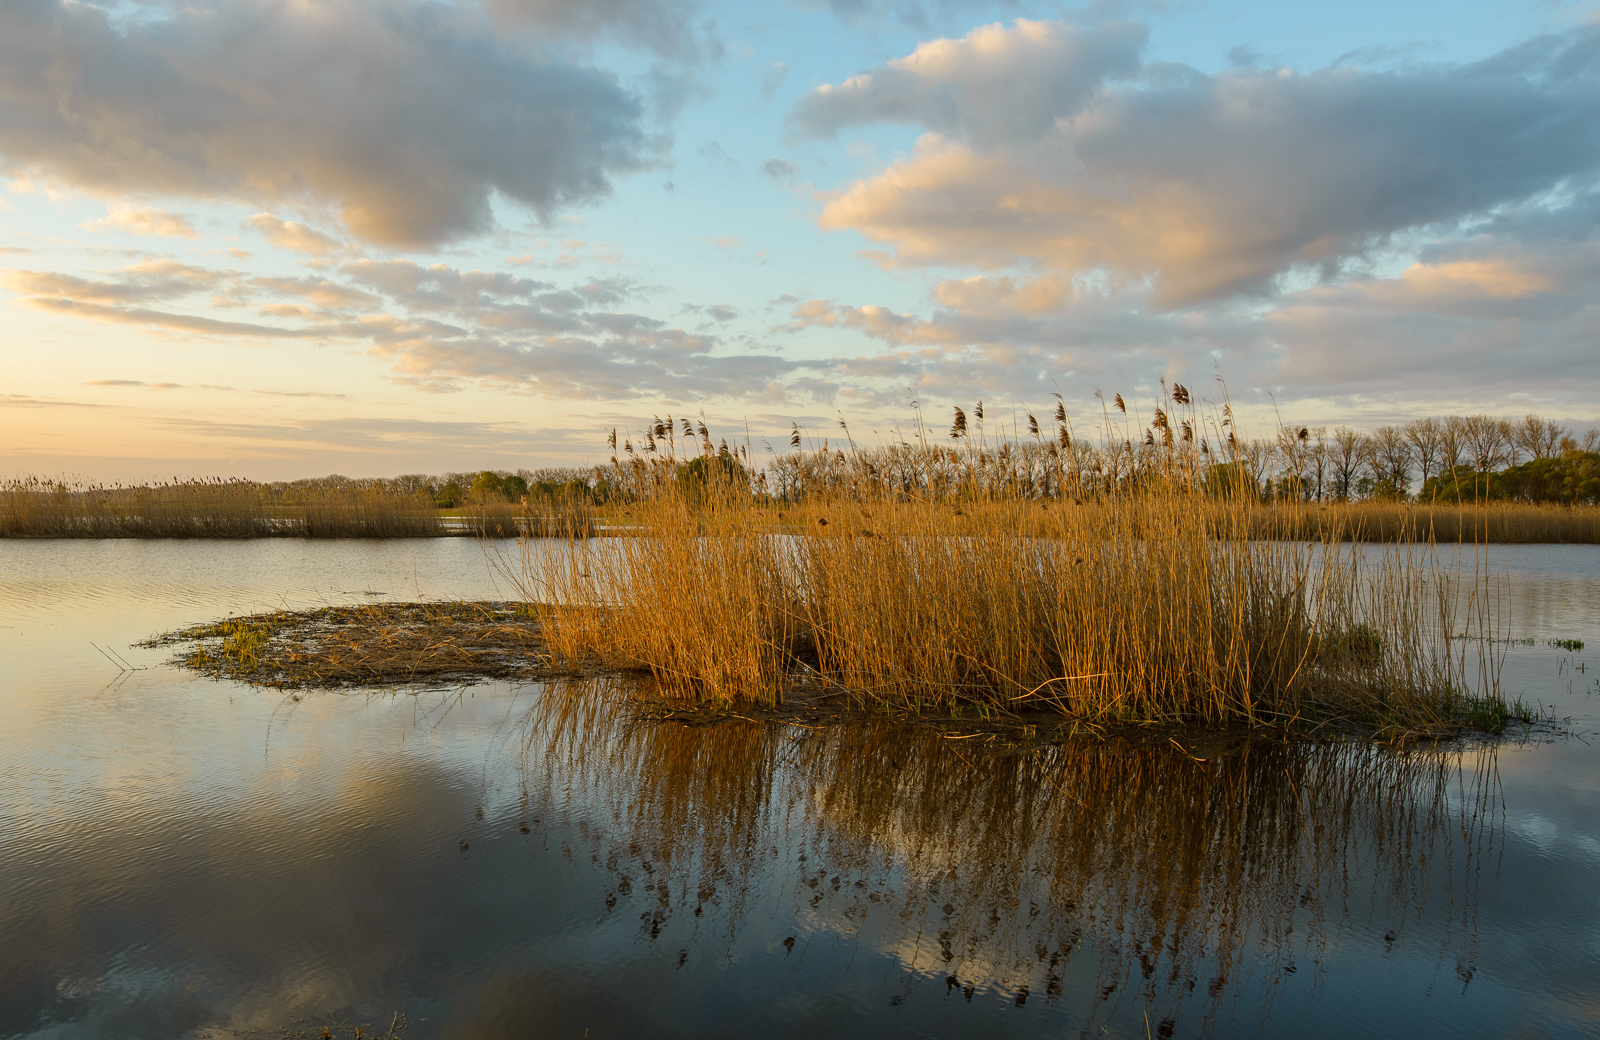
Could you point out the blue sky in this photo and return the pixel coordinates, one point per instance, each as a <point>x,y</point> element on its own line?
<point>282,239</point>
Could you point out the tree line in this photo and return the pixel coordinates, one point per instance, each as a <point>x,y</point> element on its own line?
<point>1453,458</point>
<point>1445,458</point>
<point>457,488</point>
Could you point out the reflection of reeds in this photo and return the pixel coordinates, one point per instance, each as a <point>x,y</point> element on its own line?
<point>1085,868</point>
<point>1496,522</point>
<point>1158,606</point>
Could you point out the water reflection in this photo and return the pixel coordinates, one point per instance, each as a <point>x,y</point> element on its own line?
<point>1108,873</point>
<point>181,856</point>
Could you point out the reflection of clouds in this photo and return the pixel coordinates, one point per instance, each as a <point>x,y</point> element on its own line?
<point>164,939</point>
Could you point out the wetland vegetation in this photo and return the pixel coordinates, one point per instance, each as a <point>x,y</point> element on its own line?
<point>990,573</point>
<point>1451,479</point>
<point>1147,585</point>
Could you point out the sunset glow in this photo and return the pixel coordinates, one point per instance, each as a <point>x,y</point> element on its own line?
<point>272,239</point>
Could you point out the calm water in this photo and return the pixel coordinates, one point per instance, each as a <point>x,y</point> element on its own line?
<point>180,856</point>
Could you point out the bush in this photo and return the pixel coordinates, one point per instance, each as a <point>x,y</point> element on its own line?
<point>449,496</point>
<point>1572,478</point>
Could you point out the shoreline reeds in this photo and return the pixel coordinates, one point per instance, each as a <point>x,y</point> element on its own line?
<point>33,507</point>
<point>955,585</point>
<point>36,507</point>
<point>211,508</point>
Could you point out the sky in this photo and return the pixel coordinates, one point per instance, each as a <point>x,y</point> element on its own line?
<point>284,238</point>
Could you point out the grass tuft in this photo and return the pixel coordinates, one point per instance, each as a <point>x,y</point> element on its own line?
<point>368,645</point>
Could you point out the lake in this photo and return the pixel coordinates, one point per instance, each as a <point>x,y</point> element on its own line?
<point>181,856</point>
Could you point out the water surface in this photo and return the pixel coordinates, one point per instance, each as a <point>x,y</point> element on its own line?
<point>182,856</point>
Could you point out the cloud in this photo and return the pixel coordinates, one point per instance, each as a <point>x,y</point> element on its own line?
<point>442,287</point>
<point>25,401</point>
<point>917,15</point>
<point>162,319</point>
<point>135,221</point>
<point>662,26</point>
<point>438,328</point>
<point>320,291</point>
<point>405,117</point>
<point>145,281</point>
<point>288,234</point>
<point>1206,186</point>
<point>724,241</point>
<point>1510,310</point>
<point>773,78</point>
<point>712,151</point>
<point>781,170</point>
<point>994,85</point>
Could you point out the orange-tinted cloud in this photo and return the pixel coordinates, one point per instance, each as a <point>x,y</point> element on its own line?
<point>1204,186</point>
<point>143,221</point>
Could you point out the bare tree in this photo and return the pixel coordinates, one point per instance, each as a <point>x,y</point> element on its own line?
<point>1426,437</point>
<point>1255,456</point>
<point>1294,445</point>
<point>1538,438</point>
<point>1389,455</point>
<point>1319,461</point>
<point>1349,453</point>
<point>1452,443</point>
<point>1591,441</point>
<point>1554,434</point>
<point>1485,441</point>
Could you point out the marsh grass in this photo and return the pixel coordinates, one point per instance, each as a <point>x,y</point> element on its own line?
<point>329,513</point>
<point>33,506</point>
<point>1166,605</point>
<point>379,643</point>
<point>37,507</point>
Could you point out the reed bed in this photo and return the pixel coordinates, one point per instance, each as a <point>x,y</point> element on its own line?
<point>33,506</point>
<point>358,514</point>
<point>1167,605</point>
<point>36,507</point>
<point>561,516</point>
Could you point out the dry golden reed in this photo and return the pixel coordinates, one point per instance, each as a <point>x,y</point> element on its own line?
<point>1161,605</point>
<point>36,507</point>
